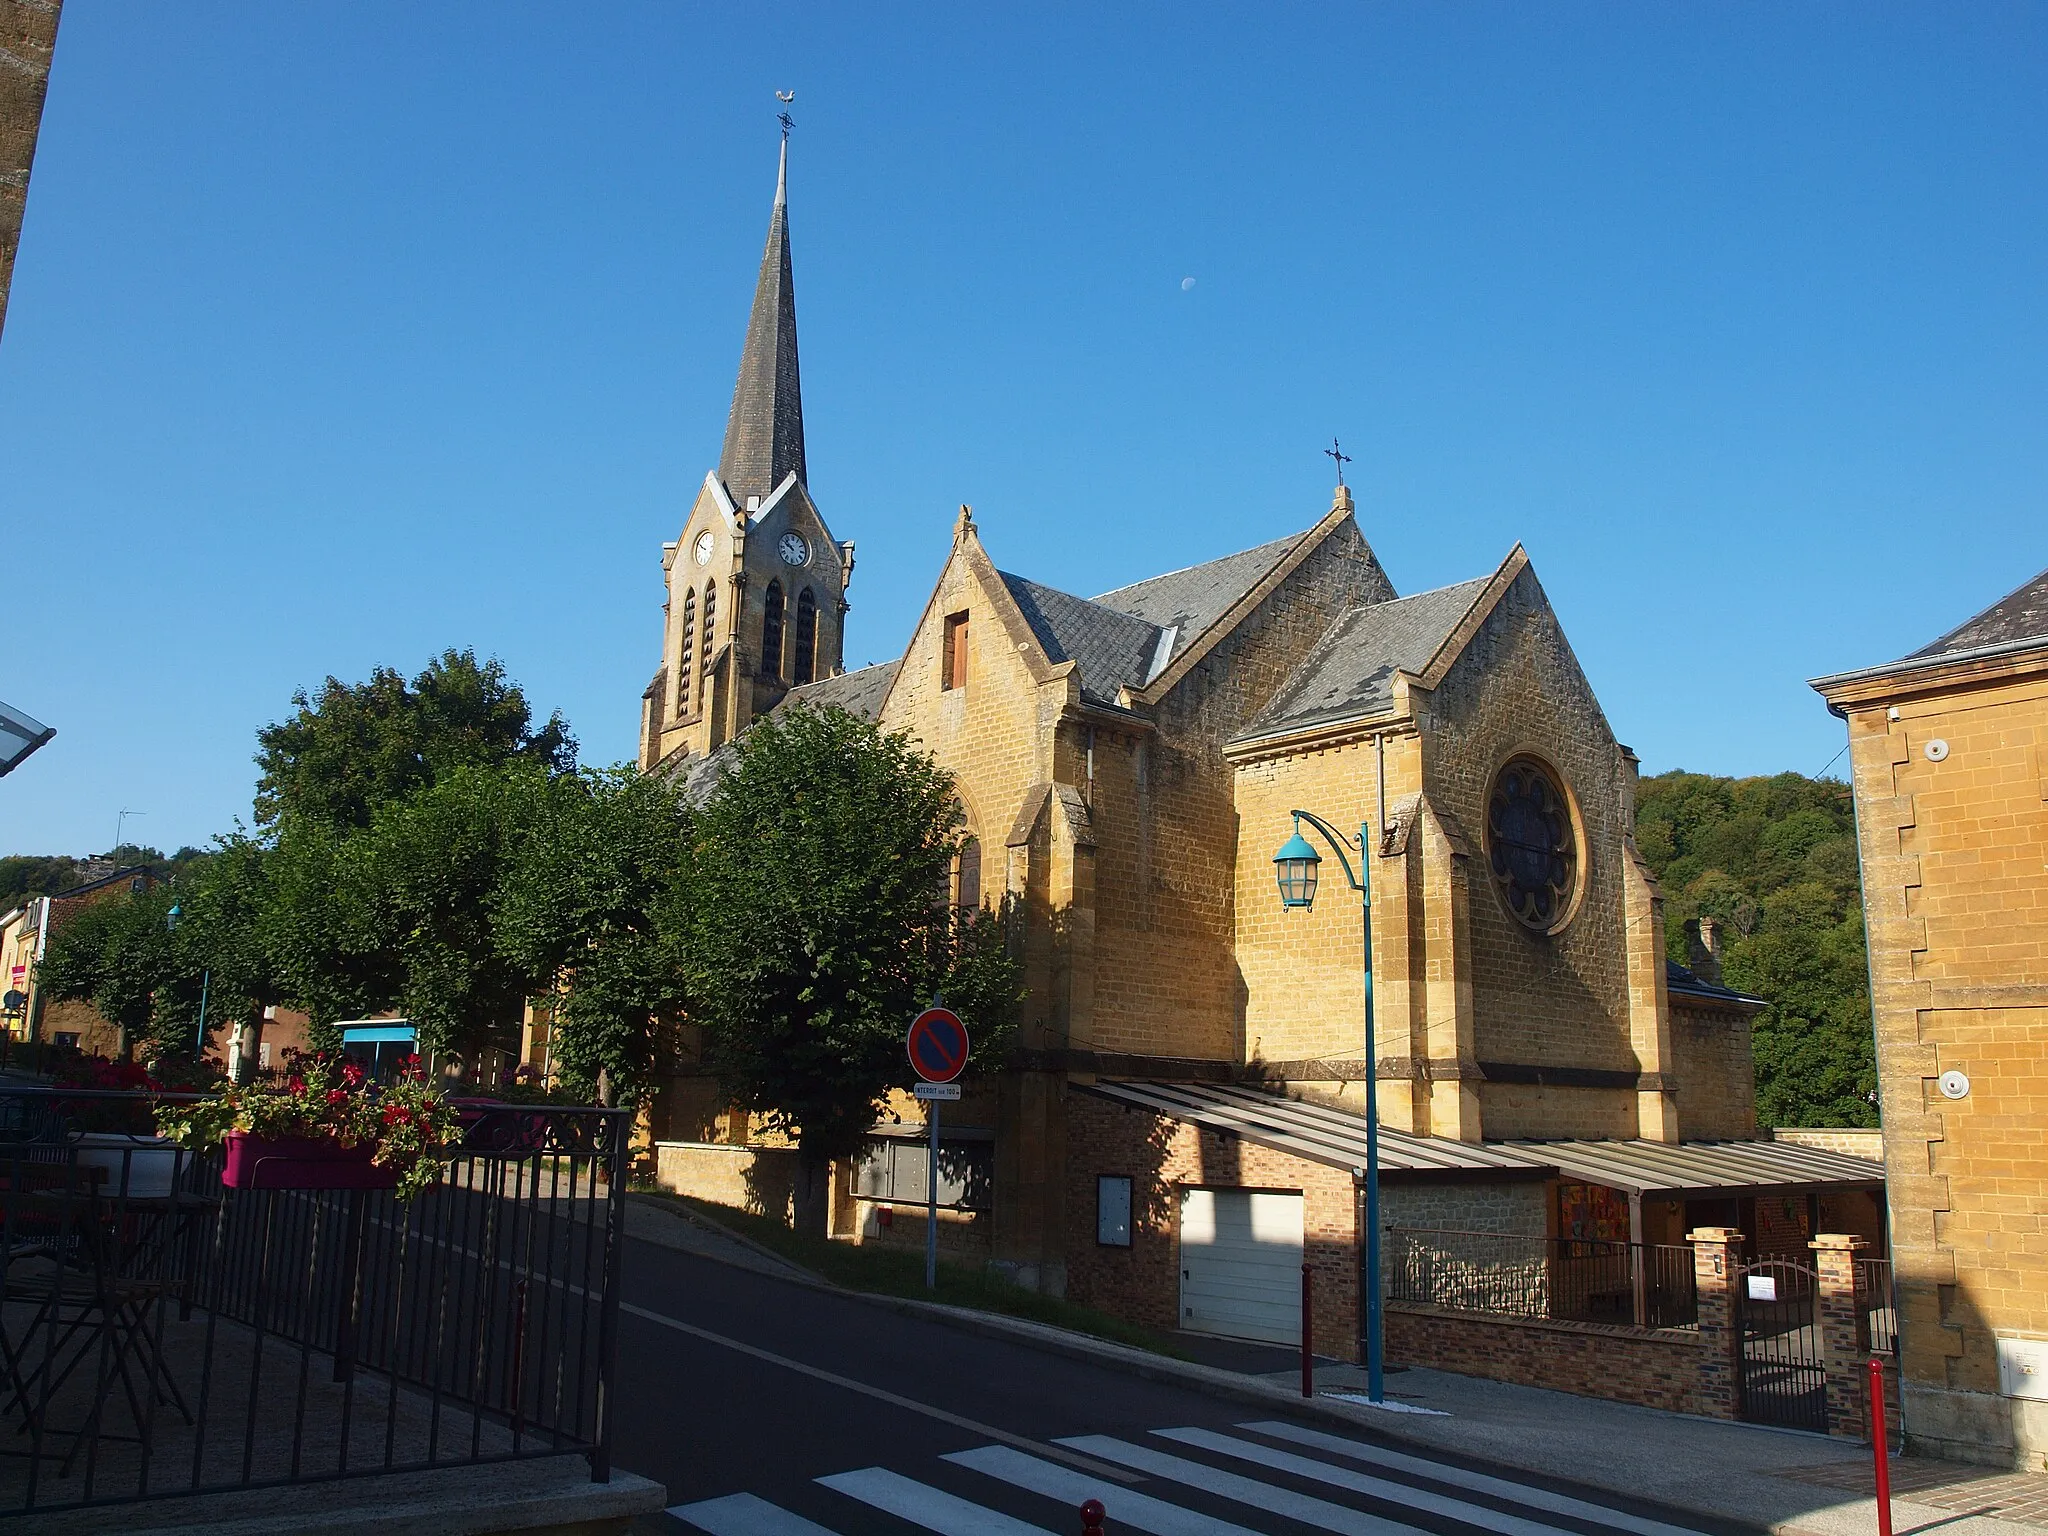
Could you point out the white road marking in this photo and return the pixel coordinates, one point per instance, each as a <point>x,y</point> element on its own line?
<point>1280,1501</point>
<point>881,1394</point>
<point>932,1508</point>
<point>1481,1515</point>
<point>1125,1507</point>
<point>741,1514</point>
<point>1479,1482</point>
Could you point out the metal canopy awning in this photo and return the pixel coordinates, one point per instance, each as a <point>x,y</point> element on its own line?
<point>1333,1137</point>
<point>1701,1169</point>
<point>1336,1138</point>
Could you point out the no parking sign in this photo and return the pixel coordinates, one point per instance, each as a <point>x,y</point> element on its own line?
<point>938,1045</point>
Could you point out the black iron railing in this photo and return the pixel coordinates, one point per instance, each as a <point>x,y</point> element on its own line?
<point>162,1334</point>
<point>1877,1306</point>
<point>1569,1279</point>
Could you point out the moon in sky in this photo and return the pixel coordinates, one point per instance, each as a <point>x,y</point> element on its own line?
<point>1186,283</point>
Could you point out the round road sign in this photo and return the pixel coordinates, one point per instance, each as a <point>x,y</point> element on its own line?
<point>938,1045</point>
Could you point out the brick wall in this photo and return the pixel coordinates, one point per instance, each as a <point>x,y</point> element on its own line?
<point>1851,1141</point>
<point>1653,1369</point>
<point>1162,1158</point>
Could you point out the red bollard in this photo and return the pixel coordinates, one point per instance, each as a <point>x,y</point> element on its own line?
<point>1091,1518</point>
<point>1877,1449</point>
<point>1308,1333</point>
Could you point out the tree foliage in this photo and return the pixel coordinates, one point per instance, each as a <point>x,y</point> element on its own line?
<point>23,875</point>
<point>583,901</point>
<point>1774,859</point>
<point>361,745</point>
<point>814,926</point>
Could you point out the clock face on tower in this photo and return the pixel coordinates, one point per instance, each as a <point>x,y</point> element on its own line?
<point>794,550</point>
<point>706,542</point>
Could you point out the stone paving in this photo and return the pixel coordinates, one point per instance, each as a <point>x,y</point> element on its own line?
<point>2021,1497</point>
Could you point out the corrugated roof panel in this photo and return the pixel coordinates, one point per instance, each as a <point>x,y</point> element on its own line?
<point>1336,1138</point>
<point>1652,1167</point>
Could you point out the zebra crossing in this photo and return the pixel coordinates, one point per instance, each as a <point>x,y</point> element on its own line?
<point>1263,1478</point>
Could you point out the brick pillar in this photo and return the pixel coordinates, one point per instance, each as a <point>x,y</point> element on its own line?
<point>1716,1256</point>
<point>1842,1346</point>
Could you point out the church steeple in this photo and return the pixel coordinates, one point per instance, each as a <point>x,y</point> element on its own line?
<point>764,437</point>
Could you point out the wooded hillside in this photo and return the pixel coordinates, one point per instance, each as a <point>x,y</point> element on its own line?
<point>1775,860</point>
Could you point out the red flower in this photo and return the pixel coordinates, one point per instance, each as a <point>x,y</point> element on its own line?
<point>337,1095</point>
<point>297,1085</point>
<point>351,1073</point>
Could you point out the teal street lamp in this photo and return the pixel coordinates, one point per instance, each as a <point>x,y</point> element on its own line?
<point>1295,868</point>
<point>205,976</point>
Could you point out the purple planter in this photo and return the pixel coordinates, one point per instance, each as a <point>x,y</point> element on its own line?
<point>302,1162</point>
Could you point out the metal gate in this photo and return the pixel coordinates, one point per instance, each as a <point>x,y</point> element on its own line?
<point>1783,1381</point>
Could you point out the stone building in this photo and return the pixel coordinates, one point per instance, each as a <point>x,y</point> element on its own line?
<point>25,935</point>
<point>28,38</point>
<point>1948,749</point>
<point>1191,1064</point>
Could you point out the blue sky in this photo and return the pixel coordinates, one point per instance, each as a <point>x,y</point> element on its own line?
<point>345,333</point>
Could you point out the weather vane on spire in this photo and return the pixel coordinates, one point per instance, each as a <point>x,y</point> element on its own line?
<point>783,117</point>
<point>1336,451</point>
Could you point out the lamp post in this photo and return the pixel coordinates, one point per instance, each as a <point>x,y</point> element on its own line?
<point>1296,867</point>
<point>205,977</point>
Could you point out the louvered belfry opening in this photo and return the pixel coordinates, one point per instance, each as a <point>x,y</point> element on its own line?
<point>771,632</point>
<point>806,636</point>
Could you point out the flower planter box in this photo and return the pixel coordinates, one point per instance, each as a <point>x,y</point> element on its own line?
<point>299,1162</point>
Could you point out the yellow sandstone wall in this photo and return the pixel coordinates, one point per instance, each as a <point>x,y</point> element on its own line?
<point>1954,855</point>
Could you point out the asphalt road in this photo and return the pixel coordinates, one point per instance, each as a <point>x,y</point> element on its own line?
<point>741,1392</point>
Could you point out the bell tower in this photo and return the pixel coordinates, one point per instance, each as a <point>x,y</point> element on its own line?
<point>756,582</point>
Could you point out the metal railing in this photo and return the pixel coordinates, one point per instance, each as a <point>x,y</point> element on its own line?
<point>1877,1306</point>
<point>1569,1279</point>
<point>162,1334</point>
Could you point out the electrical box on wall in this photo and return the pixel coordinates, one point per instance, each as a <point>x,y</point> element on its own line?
<point>2023,1368</point>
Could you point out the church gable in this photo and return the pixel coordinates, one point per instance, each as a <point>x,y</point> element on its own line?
<point>1508,726</point>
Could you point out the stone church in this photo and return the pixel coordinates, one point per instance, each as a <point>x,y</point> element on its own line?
<point>1192,1061</point>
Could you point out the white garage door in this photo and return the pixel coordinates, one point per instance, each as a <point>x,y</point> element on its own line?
<point>1240,1264</point>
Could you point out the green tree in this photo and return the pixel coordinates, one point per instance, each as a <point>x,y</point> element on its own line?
<point>114,954</point>
<point>402,913</point>
<point>23,875</point>
<point>1774,860</point>
<point>360,745</point>
<point>583,900</point>
<point>814,926</point>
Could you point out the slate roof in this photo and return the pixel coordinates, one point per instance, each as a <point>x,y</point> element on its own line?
<point>764,436</point>
<point>2019,616</point>
<point>1350,671</point>
<point>858,693</point>
<point>1678,978</point>
<point>1189,601</point>
<point>1111,649</point>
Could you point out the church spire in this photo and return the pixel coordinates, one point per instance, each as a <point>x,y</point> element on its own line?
<point>764,437</point>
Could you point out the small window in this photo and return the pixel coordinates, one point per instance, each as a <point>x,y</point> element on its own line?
<point>1113,1210</point>
<point>967,875</point>
<point>955,661</point>
<point>771,632</point>
<point>806,636</point>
